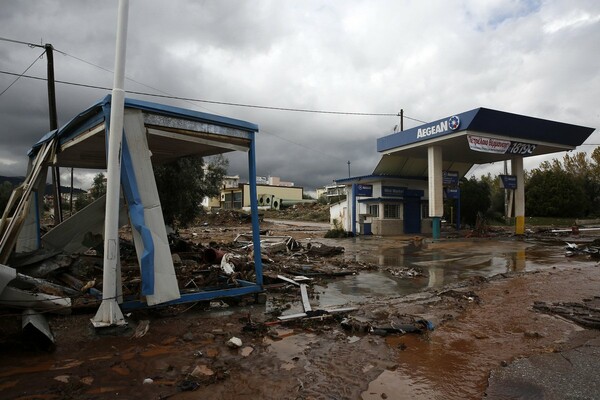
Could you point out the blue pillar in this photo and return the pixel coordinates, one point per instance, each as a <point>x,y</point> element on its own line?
<point>437,222</point>
<point>254,211</point>
<point>458,209</point>
<point>353,209</point>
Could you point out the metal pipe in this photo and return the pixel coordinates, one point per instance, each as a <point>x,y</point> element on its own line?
<point>353,197</point>
<point>254,210</point>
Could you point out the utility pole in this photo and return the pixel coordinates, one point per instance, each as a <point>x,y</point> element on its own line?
<point>401,119</point>
<point>348,168</point>
<point>506,193</point>
<point>53,125</point>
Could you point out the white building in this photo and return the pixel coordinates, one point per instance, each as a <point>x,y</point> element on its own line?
<point>384,205</point>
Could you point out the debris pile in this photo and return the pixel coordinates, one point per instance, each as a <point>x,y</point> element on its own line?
<point>305,212</point>
<point>586,314</point>
<point>592,250</point>
<point>394,324</point>
<point>66,281</point>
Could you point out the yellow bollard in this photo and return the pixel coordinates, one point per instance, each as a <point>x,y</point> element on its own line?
<point>520,225</point>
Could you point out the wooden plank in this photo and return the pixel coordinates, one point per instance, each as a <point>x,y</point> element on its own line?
<point>304,315</point>
<point>291,316</point>
<point>341,310</point>
<point>10,233</point>
<point>304,294</point>
<point>288,280</point>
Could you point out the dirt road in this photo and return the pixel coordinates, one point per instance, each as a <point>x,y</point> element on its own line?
<point>478,294</point>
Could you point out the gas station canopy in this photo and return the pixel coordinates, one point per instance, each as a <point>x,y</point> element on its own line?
<point>478,136</point>
<point>172,132</point>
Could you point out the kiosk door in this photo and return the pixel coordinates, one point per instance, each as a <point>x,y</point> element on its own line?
<point>412,215</point>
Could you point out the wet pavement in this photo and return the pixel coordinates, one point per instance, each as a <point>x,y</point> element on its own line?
<point>454,362</point>
<point>487,339</point>
<point>443,262</point>
<point>571,374</point>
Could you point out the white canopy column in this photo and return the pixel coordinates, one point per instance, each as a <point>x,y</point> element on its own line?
<point>516,166</point>
<point>436,190</point>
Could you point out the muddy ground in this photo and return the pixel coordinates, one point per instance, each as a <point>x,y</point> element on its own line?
<point>471,304</point>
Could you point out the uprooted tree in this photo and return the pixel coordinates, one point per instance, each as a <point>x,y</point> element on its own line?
<point>183,184</point>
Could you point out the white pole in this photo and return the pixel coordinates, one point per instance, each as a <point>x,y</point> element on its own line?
<point>109,313</point>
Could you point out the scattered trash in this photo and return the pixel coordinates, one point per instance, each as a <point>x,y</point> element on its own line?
<point>573,249</point>
<point>405,272</point>
<point>213,256</point>
<point>227,267</point>
<point>188,385</point>
<point>246,351</point>
<point>356,324</point>
<point>202,370</point>
<point>234,343</point>
<point>62,378</point>
<point>270,244</point>
<point>353,339</point>
<point>141,329</point>
<point>469,296</point>
<point>309,312</point>
<point>396,325</point>
<point>148,381</point>
<point>586,314</point>
<point>322,250</point>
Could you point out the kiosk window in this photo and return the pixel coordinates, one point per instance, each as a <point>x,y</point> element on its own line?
<point>391,211</point>
<point>374,210</point>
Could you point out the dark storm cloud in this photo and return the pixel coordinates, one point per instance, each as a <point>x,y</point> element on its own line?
<point>432,60</point>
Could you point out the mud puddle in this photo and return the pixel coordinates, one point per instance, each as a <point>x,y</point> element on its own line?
<point>454,361</point>
<point>442,263</point>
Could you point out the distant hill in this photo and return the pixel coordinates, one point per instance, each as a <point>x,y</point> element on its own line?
<point>17,180</point>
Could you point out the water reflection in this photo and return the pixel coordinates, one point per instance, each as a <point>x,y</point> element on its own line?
<point>436,277</point>
<point>442,263</point>
<point>518,261</point>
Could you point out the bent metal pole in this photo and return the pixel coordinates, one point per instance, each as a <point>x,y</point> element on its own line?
<point>109,313</point>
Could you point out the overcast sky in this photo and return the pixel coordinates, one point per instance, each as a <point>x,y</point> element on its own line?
<point>432,59</point>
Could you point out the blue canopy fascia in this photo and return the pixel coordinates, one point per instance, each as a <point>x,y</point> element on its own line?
<point>100,111</point>
<point>500,123</point>
<point>382,200</point>
<point>375,178</point>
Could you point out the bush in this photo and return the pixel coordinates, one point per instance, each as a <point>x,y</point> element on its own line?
<point>337,231</point>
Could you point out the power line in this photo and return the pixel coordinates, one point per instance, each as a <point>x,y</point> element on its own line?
<point>230,104</point>
<point>192,101</point>
<point>169,96</point>
<point>109,70</point>
<point>20,42</point>
<point>398,114</point>
<point>226,103</point>
<point>22,74</point>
